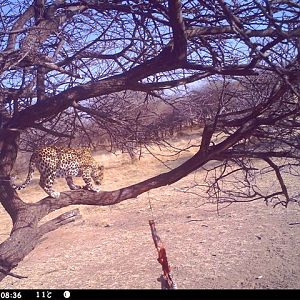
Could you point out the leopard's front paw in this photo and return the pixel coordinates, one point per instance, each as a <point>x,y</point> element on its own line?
<point>92,189</point>
<point>96,189</point>
<point>54,194</point>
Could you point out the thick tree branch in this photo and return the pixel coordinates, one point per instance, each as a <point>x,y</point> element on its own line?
<point>54,105</point>
<point>178,27</point>
<point>52,132</point>
<point>217,30</point>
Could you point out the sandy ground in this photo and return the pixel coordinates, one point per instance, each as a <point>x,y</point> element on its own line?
<point>251,245</point>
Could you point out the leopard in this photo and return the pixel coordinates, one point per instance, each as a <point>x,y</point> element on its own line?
<point>54,161</point>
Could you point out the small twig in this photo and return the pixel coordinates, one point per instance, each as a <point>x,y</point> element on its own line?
<point>295,223</point>
<point>194,220</point>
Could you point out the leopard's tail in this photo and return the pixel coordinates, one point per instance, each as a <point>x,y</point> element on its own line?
<point>31,169</point>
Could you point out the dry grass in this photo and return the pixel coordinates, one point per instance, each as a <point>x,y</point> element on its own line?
<point>245,246</point>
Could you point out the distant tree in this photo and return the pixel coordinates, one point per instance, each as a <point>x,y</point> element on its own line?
<point>60,59</point>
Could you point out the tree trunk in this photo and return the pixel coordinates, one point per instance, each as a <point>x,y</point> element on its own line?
<point>25,233</point>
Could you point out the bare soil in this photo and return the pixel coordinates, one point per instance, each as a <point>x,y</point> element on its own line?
<point>248,245</point>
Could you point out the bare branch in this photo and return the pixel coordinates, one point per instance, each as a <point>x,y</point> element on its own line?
<point>280,179</point>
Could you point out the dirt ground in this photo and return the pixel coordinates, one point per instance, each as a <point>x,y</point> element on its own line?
<point>250,246</point>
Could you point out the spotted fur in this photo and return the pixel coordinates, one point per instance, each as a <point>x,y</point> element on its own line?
<point>55,161</point>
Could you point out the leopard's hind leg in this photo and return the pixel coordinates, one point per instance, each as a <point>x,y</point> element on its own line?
<point>46,183</point>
